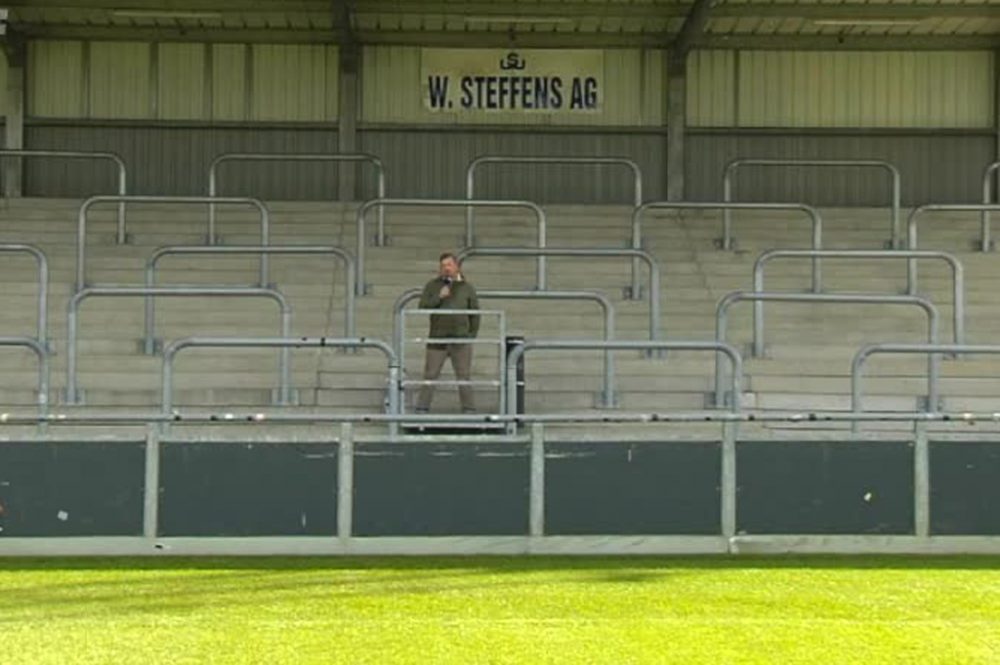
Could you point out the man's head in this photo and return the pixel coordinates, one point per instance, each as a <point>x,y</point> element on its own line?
<point>448,266</point>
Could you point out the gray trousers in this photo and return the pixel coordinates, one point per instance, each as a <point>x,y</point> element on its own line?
<point>461,362</point>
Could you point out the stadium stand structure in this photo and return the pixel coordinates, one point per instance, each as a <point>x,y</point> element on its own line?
<point>809,346</point>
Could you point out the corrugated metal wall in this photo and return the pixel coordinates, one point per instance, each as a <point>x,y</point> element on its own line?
<point>841,89</point>
<point>934,167</point>
<point>175,160</point>
<point>169,81</point>
<point>634,93</point>
<point>432,163</point>
<point>824,89</point>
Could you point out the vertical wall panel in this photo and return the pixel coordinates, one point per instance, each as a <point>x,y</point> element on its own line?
<point>3,83</point>
<point>711,99</point>
<point>181,81</point>
<point>865,89</point>
<point>633,93</point>
<point>229,82</point>
<point>119,80</point>
<point>55,79</point>
<point>294,83</point>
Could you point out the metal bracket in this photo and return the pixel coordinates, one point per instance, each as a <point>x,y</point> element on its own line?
<point>80,397</point>
<point>386,241</point>
<point>601,403</point>
<point>295,401</point>
<point>924,403</point>
<point>977,245</point>
<point>628,295</point>
<point>748,351</point>
<point>152,347</point>
<point>129,239</point>
<point>733,244</point>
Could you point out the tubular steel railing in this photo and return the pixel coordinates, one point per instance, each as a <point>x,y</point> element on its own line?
<point>174,250</point>
<point>637,254</point>
<point>607,395</point>
<point>931,350</point>
<point>43,285</point>
<point>77,154</point>
<point>443,203</point>
<point>957,280</point>
<point>985,243</point>
<point>284,343</point>
<point>42,353</point>
<point>730,299</point>
<point>736,361</point>
<point>911,230</point>
<point>896,184</point>
<point>470,174</point>
<point>726,243</point>
<point>73,309</point>
<point>81,230</point>
<point>292,157</point>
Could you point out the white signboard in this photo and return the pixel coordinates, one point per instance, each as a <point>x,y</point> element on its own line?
<point>521,81</point>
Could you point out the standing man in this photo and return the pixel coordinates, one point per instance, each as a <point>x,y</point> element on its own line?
<point>449,290</point>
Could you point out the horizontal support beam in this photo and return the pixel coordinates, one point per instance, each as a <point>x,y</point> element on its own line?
<point>544,9</point>
<point>501,39</point>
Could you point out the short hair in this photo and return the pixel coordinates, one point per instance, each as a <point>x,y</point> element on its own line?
<point>449,255</point>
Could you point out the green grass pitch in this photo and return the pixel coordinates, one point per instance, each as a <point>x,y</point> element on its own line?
<point>501,610</point>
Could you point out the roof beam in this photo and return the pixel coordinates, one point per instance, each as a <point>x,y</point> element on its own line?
<point>502,39</point>
<point>543,8</point>
<point>690,33</point>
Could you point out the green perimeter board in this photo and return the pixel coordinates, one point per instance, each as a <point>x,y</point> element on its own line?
<point>824,487</point>
<point>632,488</point>
<point>441,489</point>
<point>965,488</point>
<point>248,489</point>
<point>56,489</point>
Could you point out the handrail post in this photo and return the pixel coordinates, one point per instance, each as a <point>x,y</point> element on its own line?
<point>470,177</point>
<point>910,255</point>
<point>42,261</point>
<point>295,157</point>
<point>727,213</point>
<point>985,232</point>
<point>81,228</point>
<point>730,169</point>
<point>723,348</point>
<point>540,217</point>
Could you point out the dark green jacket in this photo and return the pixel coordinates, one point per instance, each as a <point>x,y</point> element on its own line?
<point>463,296</point>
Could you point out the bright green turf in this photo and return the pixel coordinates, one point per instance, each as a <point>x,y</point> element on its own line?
<point>492,610</point>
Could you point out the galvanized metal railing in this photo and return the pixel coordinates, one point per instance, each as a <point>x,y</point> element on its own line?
<point>895,180</point>
<point>73,395</point>
<point>957,280</point>
<point>283,343</point>
<point>80,154</point>
<point>726,242</point>
<point>43,285</point>
<point>349,297</point>
<point>81,230</point>
<point>608,309</point>
<point>736,360</point>
<point>444,203</point>
<point>730,299</point>
<point>931,350</point>
<point>293,157</point>
<point>585,252</point>
<point>911,230</point>
<point>470,174</point>
<point>985,242</point>
<point>42,353</point>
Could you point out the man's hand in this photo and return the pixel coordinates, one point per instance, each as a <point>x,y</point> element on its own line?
<point>444,292</point>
